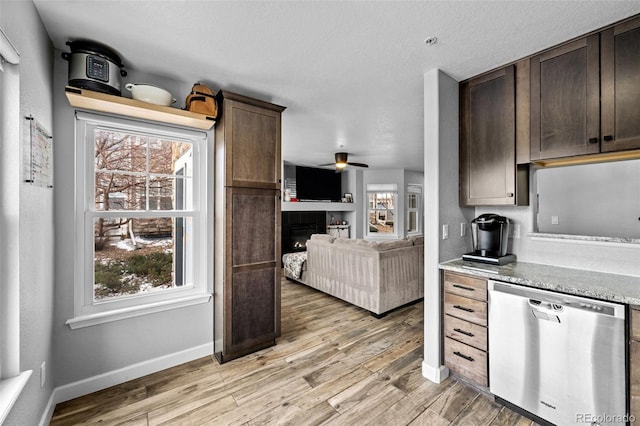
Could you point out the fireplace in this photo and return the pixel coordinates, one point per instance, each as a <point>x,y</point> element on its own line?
<point>297,227</point>
<point>299,234</point>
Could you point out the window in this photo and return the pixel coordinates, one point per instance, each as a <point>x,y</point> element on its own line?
<point>12,379</point>
<point>414,208</point>
<point>381,210</point>
<point>140,196</point>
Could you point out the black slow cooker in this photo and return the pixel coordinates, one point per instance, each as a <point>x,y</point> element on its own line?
<point>94,66</point>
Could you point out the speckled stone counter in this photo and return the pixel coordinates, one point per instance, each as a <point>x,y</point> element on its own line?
<point>597,285</point>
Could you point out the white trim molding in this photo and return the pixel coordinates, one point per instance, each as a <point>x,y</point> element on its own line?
<point>116,377</point>
<point>8,51</point>
<point>136,311</point>
<point>10,390</point>
<point>435,374</point>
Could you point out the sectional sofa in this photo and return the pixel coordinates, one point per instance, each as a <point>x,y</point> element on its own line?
<point>376,276</point>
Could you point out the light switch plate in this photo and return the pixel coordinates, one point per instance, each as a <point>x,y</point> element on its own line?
<point>445,232</point>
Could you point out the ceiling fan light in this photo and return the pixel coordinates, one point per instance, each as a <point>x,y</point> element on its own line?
<point>341,165</point>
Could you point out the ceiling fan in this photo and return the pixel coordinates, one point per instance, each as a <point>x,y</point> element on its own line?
<point>341,162</point>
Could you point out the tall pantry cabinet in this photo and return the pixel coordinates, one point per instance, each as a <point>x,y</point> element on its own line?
<point>247,226</point>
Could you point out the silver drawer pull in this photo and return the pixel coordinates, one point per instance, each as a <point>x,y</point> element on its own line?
<point>466,333</point>
<point>462,287</point>
<point>468,358</point>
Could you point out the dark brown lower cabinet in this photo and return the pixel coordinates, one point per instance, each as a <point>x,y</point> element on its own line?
<point>634,362</point>
<point>247,309</point>
<point>465,327</point>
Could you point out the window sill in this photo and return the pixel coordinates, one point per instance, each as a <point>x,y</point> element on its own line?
<point>10,390</point>
<point>136,311</point>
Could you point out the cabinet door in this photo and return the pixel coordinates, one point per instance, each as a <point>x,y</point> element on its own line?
<point>634,378</point>
<point>249,133</point>
<point>252,271</point>
<point>620,50</point>
<point>487,139</point>
<point>565,100</point>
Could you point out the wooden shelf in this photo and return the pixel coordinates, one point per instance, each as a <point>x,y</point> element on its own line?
<point>102,102</point>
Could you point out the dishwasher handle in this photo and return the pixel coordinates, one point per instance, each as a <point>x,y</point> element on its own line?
<point>539,304</point>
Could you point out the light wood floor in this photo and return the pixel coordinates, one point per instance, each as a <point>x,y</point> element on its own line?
<point>335,364</point>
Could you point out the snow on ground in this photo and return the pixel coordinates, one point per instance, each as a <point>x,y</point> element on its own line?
<point>141,242</point>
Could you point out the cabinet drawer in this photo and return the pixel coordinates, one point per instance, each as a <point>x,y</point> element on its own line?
<point>463,285</point>
<point>634,379</point>
<point>465,332</point>
<point>635,323</point>
<point>466,361</point>
<point>465,308</point>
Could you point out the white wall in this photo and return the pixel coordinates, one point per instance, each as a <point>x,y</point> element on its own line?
<point>569,194</point>
<point>123,349</point>
<point>441,206</point>
<point>596,256</point>
<point>35,245</point>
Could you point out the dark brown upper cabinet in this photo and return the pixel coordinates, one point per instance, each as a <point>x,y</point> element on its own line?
<point>251,130</point>
<point>565,100</point>
<point>488,171</point>
<point>620,74</point>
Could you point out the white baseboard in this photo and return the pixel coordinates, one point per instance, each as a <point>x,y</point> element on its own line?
<point>115,377</point>
<point>48,411</point>
<point>435,374</point>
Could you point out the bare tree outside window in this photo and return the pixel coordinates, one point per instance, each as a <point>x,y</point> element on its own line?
<point>137,174</point>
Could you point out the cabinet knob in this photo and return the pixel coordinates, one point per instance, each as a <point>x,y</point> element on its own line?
<point>593,140</point>
<point>607,138</point>
<point>510,194</point>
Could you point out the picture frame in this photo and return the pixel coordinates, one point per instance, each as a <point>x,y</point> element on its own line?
<point>348,197</point>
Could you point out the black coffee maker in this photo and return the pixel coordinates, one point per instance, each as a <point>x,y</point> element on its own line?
<point>490,234</point>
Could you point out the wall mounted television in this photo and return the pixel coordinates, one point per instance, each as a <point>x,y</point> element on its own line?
<point>314,184</point>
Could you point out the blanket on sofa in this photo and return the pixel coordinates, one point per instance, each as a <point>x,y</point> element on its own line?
<point>293,263</point>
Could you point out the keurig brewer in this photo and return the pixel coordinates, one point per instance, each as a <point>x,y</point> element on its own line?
<point>490,234</point>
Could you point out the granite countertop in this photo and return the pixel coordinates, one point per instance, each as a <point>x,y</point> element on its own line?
<point>597,285</point>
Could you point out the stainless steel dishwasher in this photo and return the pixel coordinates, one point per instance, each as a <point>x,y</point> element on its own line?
<point>559,357</point>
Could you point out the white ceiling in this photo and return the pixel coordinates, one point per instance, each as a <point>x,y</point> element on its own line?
<point>349,72</point>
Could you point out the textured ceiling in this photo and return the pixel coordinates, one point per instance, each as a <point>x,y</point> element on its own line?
<point>349,73</point>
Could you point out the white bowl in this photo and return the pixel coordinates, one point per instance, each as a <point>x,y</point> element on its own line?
<point>151,94</point>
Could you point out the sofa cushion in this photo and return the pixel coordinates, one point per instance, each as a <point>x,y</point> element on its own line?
<point>417,240</point>
<point>375,245</point>
<point>392,244</point>
<point>345,242</point>
<point>323,237</point>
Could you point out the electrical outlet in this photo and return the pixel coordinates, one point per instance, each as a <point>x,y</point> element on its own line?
<point>554,220</point>
<point>445,232</point>
<point>463,229</point>
<point>43,373</point>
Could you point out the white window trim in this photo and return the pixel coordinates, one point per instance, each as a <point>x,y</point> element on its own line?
<point>86,311</point>
<point>375,188</point>
<point>12,380</point>
<point>415,189</point>
<point>10,389</point>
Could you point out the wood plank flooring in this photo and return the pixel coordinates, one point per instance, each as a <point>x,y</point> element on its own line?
<point>334,364</point>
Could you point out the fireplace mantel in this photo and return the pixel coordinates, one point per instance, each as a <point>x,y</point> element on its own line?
<point>300,206</point>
